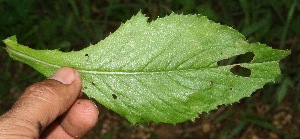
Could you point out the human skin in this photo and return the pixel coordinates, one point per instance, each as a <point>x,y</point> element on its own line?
<point>51,109</point>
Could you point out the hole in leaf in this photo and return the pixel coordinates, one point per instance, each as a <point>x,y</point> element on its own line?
<point>242,58</point>
<point>114,96</point>
<point>87,57</point>
<point>240,71</point>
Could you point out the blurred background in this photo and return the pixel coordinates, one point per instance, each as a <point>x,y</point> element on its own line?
<point>271,112</point>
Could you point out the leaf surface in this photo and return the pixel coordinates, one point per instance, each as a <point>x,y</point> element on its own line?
<point>162,71</point>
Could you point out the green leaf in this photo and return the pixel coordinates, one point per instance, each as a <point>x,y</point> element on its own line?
<point>162,71</point>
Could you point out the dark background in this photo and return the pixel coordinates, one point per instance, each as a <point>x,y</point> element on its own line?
<point>271,112</point>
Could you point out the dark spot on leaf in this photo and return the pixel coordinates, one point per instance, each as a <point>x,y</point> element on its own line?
<point>93,83</point>
<point>240,71</point>
<point>114,96</point>
<point>84,88</point>
<point>243,58</point>
<point>87,57</point>
<point>78,102</point>
<point>40,127</point>
<point>230,88</point>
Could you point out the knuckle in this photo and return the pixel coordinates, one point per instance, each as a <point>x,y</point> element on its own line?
<point>43,90</point>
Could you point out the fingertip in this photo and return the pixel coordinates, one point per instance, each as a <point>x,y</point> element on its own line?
<point>64,75</point>
<point>68,76</point>
<point>87,111</point>
<point>81,118</point>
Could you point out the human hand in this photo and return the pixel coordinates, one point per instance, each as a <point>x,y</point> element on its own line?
<point>51,109</point>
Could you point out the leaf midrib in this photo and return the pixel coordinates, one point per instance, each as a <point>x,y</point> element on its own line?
<point>21,55</point>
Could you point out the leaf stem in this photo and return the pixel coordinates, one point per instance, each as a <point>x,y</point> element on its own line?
<point>21,55</point>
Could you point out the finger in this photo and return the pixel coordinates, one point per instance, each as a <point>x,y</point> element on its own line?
<point>81,118</point>
<point>56,131</point>
<point>42,103</point>
<point>78,121</point>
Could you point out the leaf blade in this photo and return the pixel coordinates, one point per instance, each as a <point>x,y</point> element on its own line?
<point>163,71</point>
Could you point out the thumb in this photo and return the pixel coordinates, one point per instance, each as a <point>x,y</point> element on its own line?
<point>41,103</point>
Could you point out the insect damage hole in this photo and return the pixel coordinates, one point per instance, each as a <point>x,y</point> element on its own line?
<point>242,58</point>
<point>114,96</point>
<point>240,71</point>
<point>87,57</point>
